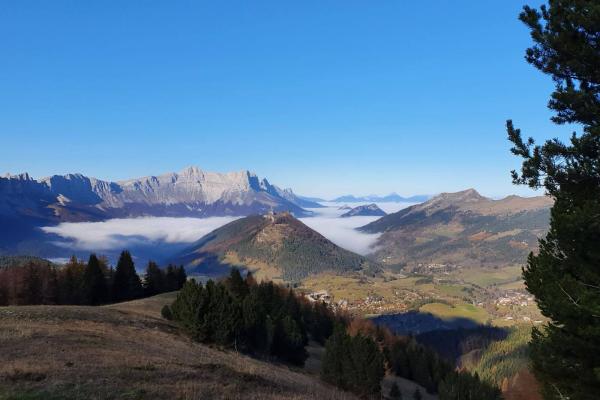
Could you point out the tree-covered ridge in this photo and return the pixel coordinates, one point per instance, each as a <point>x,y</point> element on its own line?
<point>271,321</point>
<point>278,240</point>
<point>29,280</point>
<point>17,261</point>
<point>503,359</point>
<point>564,276</point>
<point>258,318</point>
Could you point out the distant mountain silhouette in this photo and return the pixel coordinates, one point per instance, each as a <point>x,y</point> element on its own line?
<point>369,210</point>
<point>390,198</point>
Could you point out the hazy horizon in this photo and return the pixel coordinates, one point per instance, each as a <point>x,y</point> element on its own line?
<point>518,190</point>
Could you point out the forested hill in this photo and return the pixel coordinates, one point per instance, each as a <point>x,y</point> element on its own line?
<point>274,245</point>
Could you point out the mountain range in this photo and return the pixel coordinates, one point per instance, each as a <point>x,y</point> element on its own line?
<point>462,228</point>
<point>272,246</point>
<point>390,198</point>
<point>27,203</point>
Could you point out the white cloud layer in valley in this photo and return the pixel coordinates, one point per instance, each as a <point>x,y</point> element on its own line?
<point>342,231</point>
<point>121,233</point>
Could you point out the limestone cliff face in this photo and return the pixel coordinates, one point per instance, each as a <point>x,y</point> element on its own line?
<point>190,192</point>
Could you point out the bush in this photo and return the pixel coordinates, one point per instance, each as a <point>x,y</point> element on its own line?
<point>166,312</point>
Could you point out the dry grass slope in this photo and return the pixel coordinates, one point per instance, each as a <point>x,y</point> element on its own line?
<point>126,351</point>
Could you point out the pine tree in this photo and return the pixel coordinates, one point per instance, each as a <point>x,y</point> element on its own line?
<point>154,279</point>
<point>32,285</point>
<point>71,282</point>
<point>564,276</point>
<point>186,306</point>
<point>51,288</point>
<point>171,281</point>
<point>320,320</point>
<point>353,363</point>
<point>368,366</point>
<point>399,361</point>
<point>236,285</point>
<point>289,342</point>
<point>94,288</point>
<point>254,321</point>
<point>336,360</point>
<point>180,276</point>
<point>126,283</point>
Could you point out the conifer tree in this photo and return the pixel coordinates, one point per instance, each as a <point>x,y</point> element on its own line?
<point>336,360</point>
<point>368,366</point>
<point>289,342</point>
<point>171,281</point>
<point>564,276</point>
<point>180,276</point>
<point>353,363</point>
<point>154,279</point>
<point>51,287</point>
<point>187,305</point>
<point>71,282</point>
<point>237,285</point>
<point>94,288</point>
<point>32,285</point>
<point>126,283</point>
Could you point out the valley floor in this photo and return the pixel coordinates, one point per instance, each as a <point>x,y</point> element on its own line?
<point>127,351</point>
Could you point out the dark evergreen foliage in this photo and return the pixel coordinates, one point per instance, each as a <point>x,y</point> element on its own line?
<point>166,313</point>
<point>353,363</point>
<point>29,280</point>
<point>464,386</point>
<point>72,282</point>
<point>564,276</point>
<point>154,280</point>
<point>319,320</point>
<point>174,278</point>
<point>422,365</point>
<point>261,319</point>
<point>267,320</point>
<point>126,283</point>
<point>418,363</point>
<point>95,288</point>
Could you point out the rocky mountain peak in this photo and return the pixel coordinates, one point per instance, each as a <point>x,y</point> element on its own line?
<point>367,210</point>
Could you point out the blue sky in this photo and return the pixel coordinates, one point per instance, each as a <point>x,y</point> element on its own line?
<point>327,97</point>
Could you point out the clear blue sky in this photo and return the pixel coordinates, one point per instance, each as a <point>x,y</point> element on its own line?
<point>327,97</point>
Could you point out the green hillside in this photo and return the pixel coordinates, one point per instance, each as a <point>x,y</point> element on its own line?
<point>462,228</point>
<point>278,243</point>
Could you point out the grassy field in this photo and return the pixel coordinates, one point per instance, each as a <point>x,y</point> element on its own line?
<point>487,277</point>
<point>126,351</point>
<point>461,310</point>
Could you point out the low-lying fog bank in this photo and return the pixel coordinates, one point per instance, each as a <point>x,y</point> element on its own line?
<point>154,236</point>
